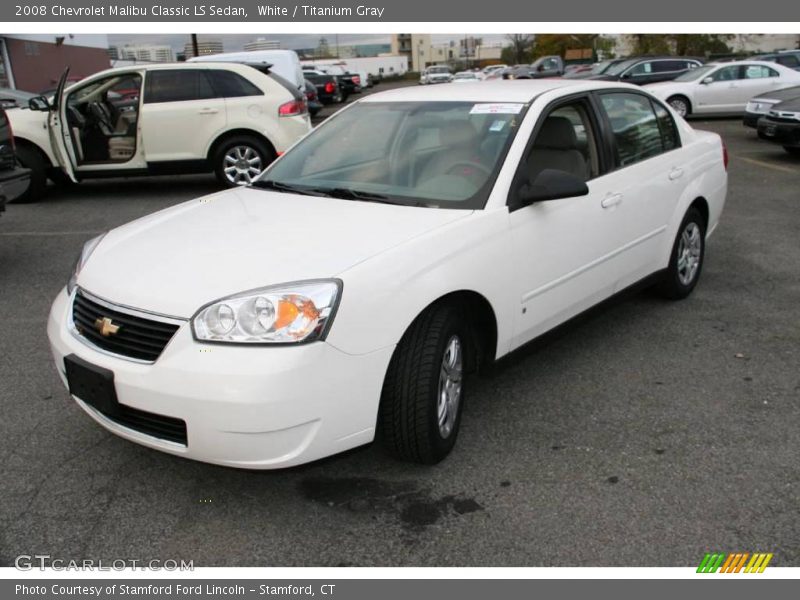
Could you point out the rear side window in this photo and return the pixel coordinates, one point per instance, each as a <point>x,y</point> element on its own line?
<point>228,84</point>
<point>669,131</point>
<point>177,85</point>
<point>636,129</point>
<point>759,72</point>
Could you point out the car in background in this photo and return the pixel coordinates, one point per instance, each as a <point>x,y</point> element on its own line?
<point>436,74</point>
<point>228,118</point>
<point>328,90</point>
<point>648,69</point>
<point>760,105</point>
<point>723,88</point>
<point>597,68</point>
<point>545,66</point>
<point>312,98</point>
<point>466,77</point>
<point>350,292</point>
<point>781,125</point>
<point>491,69</point>
<point>14,179</point>
<point>349,83</point>
<point>787,58</point>
<point>10,98</point>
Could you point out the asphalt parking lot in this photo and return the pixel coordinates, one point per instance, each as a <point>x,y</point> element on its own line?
<point>644,435</point>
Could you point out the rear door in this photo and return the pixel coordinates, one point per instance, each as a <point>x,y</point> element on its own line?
<point>757,79</point>
<point>58,129</point>
<point>181,114</point>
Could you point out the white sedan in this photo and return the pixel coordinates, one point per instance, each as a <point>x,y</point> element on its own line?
<point>723,88</point>
<point>415,237</point>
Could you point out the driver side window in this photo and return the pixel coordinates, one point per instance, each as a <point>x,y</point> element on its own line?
<point>726,74</point>
<point>565,141</point>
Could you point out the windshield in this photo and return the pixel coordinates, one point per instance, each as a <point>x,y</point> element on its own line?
<point>620,67</point>
<point>695,74</point>
<point>434,154</point>
<point>438,70</point>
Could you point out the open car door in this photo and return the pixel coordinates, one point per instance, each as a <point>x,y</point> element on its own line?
<point>58,128</point>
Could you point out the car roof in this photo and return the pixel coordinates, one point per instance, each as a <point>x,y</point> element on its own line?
<point>491,91</point>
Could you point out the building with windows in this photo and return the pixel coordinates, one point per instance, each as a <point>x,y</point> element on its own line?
<point>204,47</point>
<point>262,44</point>
<point>142,53</point>
<point>421,52</point>
<point>35,62</point>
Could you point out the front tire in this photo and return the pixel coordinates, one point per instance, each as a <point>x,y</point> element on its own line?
<point>30,158</point>
<point>240,160</point>
<point>681,105</point>
<point>423,393</point>
<point>686,260</point>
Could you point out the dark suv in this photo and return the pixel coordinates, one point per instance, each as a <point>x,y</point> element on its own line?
<point>648,69</point>
<point>14,180</point>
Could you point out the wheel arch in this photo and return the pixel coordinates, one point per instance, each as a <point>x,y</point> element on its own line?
<point>22,141</point>
<point>684,97</point>
<point>231,133</point>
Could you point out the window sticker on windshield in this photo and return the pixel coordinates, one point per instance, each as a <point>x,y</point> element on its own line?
<point>497,125</point>
<point>496,109</point>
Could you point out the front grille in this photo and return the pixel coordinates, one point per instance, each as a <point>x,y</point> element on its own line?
<point>136,337</point>
<point>159,426</point>
<point>783,118</point>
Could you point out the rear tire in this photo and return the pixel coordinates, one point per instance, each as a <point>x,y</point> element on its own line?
<point>793,150</point>
<point>681,105</point>
<point>240,159</point>
<point>686,259</point>
<point>423,393</point>
<point>31,158</point>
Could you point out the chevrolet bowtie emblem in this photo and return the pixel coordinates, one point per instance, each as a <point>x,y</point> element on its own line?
<point>106,326</point>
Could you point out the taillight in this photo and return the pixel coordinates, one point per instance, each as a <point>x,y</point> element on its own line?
<point>725,155</point>
<point>356,79</point>
<point>293,108</point>
<point>329,87</point>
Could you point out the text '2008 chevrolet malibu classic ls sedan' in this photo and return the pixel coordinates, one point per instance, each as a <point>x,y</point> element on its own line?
<point>415,236</point>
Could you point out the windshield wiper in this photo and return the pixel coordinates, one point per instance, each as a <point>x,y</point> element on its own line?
<point>271,184</point>
<point>344,193</point>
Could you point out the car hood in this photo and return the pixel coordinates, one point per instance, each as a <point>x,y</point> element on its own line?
<point>664,88</point>
<point>782,95</point>
<point>792,105</point>
<point>176,260</point>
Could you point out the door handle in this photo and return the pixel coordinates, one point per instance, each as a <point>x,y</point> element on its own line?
<point>611,200</point>
<point>208,111</point>
<point>675,173</point>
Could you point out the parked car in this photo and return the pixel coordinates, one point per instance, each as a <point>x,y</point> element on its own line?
<point>491,69</point>
<point>723,88</point>
<point>10,98</point>
<point>760,105</point>
<point>787,58</point>
<point>597,68</point>
<point>327,87</point>
<point>285,63</point>
<point>466,77</point>
<point>436,74</point>
<point>14,179</point>
<point>648,69</point>
<point>349,83</point>
<point>781,125</point>
<point>545,66</point>
<point>419,235</point>
<point>228,118</point>
<point>312,98</point>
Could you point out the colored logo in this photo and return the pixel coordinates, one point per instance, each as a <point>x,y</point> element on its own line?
<point>734,562</point>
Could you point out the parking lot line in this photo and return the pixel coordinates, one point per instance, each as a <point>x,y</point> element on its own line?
<point>767,165</point>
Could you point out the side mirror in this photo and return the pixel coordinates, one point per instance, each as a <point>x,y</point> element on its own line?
<point>707,80</point>
<point>551,184</point>
<point>39,103</point>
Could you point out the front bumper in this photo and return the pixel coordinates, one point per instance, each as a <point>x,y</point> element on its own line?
<point>751,119</point>
<point>250,407</point>
<point>779,132</point>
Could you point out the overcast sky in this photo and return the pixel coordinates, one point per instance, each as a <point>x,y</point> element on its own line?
<point>234,42</point>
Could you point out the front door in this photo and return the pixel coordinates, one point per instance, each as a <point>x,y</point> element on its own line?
<point>59,130</point>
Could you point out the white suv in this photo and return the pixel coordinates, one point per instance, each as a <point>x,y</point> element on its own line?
<point>233,119</point>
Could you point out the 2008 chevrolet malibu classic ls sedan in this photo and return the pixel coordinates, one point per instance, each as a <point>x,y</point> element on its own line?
<point>416,236</point>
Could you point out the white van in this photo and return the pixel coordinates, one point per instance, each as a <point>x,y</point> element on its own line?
<point>284,62</point>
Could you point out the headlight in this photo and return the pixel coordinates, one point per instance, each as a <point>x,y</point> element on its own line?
<point>280,314</point>
<point>83,257</point>
<point>760,106</point>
